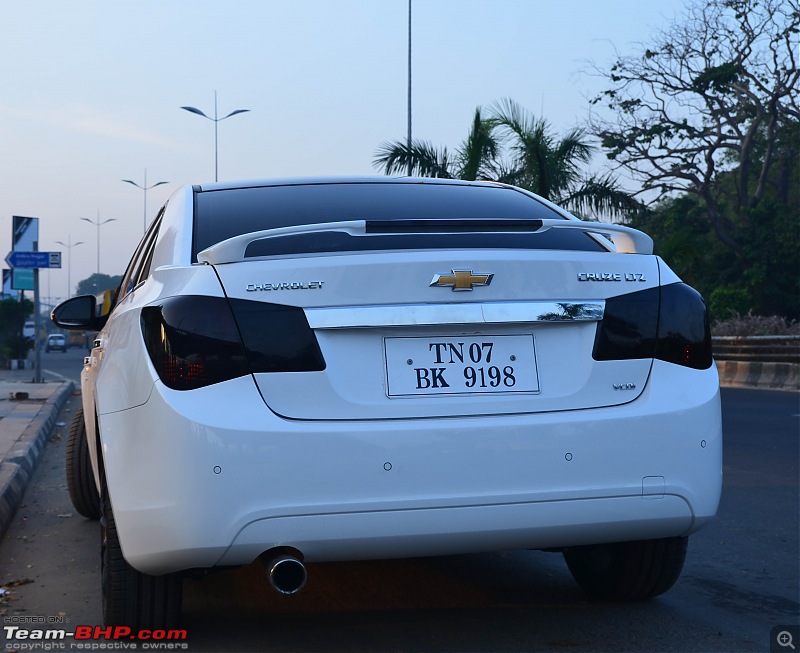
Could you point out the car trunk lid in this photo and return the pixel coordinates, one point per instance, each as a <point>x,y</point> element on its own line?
<point>416,334</point>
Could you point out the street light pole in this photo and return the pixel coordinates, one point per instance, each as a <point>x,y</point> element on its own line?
<point>215,120</point>
<point>97,223</point>
<point>408,140</point>
<point>145,188</point>
<point>69,247</point>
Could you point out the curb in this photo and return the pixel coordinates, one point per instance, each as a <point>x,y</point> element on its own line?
<point>16,470</point>
<point>772,376</point>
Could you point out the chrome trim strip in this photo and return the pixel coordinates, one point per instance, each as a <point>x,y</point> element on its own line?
<point>346,317</point>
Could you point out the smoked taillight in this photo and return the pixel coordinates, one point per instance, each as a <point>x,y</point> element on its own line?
<point>194,341</point>
<point>669,323</point>
<point>684,335</point>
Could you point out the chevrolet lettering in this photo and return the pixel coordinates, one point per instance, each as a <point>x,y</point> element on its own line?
<point>285,285</point>
<point>393,415</point>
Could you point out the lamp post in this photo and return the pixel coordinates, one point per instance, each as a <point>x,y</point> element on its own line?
<point>408,139</point>
<point>69,245</point>
<point>145,188</point>
<point>97,223</point>
<point>215,120</point>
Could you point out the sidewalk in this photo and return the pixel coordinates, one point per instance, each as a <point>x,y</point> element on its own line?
<point>28,412</point>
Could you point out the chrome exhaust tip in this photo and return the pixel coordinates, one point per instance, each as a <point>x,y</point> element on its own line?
<point>286,574</point>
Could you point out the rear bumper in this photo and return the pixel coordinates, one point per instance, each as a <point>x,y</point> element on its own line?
<point>465,529</point>
<point>211,477</point>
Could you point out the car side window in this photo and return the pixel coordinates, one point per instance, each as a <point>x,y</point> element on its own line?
<point>147,258</point>
<point>139,267</point>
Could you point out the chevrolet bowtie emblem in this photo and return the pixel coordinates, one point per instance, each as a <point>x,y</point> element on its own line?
<point>462,279</point>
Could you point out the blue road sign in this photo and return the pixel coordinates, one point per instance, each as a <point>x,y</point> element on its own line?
<point>17,259</point>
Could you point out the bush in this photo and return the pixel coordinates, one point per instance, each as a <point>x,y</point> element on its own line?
<point>755,325</point>
<point>727,302</point>
<point>13,314</point>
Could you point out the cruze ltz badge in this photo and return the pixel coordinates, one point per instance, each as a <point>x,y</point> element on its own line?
<point>462,279</point>
<point>611,276</point>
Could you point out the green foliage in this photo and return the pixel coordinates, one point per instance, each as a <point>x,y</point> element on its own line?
<point>770,261</point>
<point>98,283</point>
<point>512,146</point>
<point>727,301</point>
<point>719,78</point>
<point>763,277</point>
<point>474,159</point>
<point>13,314</point>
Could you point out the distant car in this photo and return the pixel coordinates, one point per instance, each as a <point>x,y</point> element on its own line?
<point>342,369</point>
<point>56,342</point>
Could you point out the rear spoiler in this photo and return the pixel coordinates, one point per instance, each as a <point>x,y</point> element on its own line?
<point>625,239</point>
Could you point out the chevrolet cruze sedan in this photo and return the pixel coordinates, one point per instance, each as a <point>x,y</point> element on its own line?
<point>338,369</point>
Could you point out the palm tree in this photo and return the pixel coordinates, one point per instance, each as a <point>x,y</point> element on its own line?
<point>511,146</point>
<point>552,167</point>
<point>474,159</point>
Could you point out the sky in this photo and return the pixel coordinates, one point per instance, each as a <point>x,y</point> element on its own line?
<point>90,94</point>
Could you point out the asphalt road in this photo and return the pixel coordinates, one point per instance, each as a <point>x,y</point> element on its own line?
<point>740,581</point>
<point>63,366</point>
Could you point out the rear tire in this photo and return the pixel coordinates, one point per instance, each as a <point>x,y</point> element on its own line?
<point>628,571</point>
<point>131,598</point>
<point>80,478</point>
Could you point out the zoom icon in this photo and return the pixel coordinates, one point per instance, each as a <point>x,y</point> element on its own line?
<point>784,639</point>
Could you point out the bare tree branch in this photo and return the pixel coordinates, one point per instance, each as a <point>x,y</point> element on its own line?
<point>707,96</point>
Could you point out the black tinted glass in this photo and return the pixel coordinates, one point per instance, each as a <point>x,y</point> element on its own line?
<point>222,214</point>
<point>629,326</point>
<point>277,338</point>
<point>684,336</point>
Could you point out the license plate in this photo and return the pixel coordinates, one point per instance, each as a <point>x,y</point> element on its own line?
<point>460,365</point>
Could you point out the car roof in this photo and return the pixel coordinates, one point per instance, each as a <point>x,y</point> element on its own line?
<point>364,179</point>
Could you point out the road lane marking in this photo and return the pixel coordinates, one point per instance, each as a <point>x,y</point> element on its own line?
<point>58,376</point>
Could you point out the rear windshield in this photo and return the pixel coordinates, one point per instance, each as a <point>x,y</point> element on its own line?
<point>222,214</point>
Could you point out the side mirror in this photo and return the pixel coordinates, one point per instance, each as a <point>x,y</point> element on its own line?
<point>78,314</point>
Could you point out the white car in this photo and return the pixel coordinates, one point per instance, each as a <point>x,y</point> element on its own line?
<point>55,341</point>
<point>336,369</point>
